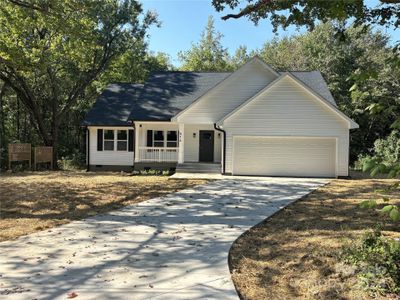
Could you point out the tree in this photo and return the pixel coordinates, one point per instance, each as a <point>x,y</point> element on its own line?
<point>310,12</point>
<point>208,54</point>
<point>51,53</point>
<point>135,66</point>
<point>240,57</point>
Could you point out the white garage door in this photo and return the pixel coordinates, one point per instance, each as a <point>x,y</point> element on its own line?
<point>289,156</point>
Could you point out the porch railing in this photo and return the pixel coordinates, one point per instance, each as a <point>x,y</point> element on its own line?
<point>158,154</point>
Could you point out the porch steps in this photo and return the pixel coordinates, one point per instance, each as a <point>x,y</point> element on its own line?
<point>210,168</point>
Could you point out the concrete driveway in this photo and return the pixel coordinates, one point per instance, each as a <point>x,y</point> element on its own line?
<point>170,247</point>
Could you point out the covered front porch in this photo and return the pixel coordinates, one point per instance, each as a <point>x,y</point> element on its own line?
<point>173,143</point>
<point>156,142</point>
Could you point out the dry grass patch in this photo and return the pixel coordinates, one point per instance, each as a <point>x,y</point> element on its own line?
<point>31,202</point>
<point>294,254</point>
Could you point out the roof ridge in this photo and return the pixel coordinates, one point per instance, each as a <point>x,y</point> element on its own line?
<point>216,72</point>
<point>291,71</point>
<point>130,83</point>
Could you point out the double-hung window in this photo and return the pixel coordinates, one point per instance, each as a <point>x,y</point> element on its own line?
<point>172,139</point>
<point>158,138</point>
<point>108,140</point>
<point>115,140</point>
<point>122,140</point>
<point>161,138</point>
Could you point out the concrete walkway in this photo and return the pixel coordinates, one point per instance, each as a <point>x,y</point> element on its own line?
<point>172,247</point>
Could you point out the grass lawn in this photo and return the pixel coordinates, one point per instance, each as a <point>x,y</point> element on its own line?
<point>294,254</point>
<point>31,202</point>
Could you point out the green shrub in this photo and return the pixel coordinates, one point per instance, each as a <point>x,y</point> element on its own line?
<point>153,172</point>
<point>74,161</point>
<point>377,260</point>
<point>388,150</point>
<point>385,157</point>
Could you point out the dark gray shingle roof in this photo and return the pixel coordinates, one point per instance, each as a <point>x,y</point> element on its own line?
<point>114,105</point>
<point>167,93</point>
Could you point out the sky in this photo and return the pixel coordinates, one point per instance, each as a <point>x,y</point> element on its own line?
<point>182,22</point>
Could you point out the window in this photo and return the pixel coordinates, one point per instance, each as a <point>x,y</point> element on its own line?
<point>172,139</point>
<point>158,138</point>
<point>108,140</point>
<point>122,140</point>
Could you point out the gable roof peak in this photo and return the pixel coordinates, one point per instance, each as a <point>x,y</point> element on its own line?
<point>259,60</point>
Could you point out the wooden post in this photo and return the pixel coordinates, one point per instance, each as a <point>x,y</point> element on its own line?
<point>181,144</point>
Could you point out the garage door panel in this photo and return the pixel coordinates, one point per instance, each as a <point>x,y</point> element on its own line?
<point>284,156</point>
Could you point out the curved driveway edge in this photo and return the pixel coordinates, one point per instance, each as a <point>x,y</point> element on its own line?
<point>174,246</point>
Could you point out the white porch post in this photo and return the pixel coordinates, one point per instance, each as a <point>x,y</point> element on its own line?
<point>181,153</point>
<point>137,153</point>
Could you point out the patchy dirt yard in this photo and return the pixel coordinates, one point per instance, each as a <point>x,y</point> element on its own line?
<point>31,202</point>
<point>294,254</point>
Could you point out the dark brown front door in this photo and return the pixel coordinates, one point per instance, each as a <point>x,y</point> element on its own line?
<point>206,146</point>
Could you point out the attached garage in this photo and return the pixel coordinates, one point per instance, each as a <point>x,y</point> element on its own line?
<point>287,130</point>
<point>284,156</point>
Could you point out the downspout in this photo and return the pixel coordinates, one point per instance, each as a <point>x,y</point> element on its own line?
<point>134,143</point>
<point>87,149</point>
<point>224,145</point>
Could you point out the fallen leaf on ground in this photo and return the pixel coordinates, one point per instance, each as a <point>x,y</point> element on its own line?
<point>72,295</point>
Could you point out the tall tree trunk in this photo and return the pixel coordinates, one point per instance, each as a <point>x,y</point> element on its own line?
<point>2,127</point>
<point>55,148</point>
<point>55,124</point>
<point>18,114</point>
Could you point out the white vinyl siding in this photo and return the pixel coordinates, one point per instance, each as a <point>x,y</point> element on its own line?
<point>287,109</point>
<point>225,97</point>
<point>191,141</point>
<point>108,158</point>
<point>287,156</point>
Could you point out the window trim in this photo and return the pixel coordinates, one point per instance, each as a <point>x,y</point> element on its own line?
<point>118,140</point>
<point>159,141</point>
<point>115,140</point>
<point>171,141</point>
<point>165,139</point>
<point>108,140</point>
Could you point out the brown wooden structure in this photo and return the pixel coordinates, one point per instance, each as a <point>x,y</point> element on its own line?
<point>19,152</point>
<point>43,155</point>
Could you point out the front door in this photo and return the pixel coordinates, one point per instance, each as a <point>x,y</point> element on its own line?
<point>206,146</point>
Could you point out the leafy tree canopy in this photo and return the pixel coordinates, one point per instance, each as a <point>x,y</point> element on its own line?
<point>283,13</point>
<point>52,51</point>
<point>135,65</point>
<point>208,54</point>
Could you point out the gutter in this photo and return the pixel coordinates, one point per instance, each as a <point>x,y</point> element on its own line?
<point>224,151</point>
